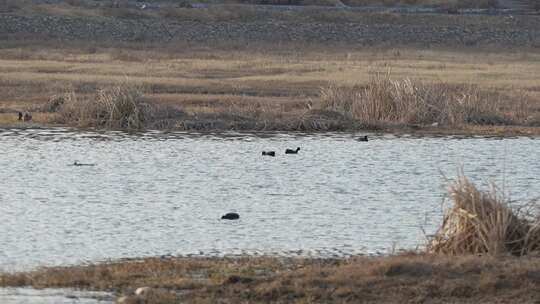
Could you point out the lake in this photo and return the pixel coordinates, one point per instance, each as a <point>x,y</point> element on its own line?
<point>162,193</point>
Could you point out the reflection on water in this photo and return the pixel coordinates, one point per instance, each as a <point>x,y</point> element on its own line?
<point>160,193</point>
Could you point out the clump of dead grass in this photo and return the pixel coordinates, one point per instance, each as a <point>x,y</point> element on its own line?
<point>117,107</point>
<point>406,101</point>
<point>482,222</point>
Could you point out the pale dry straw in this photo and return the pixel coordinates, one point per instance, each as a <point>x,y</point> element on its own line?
<point>408,101</point>
<point>482,222</point>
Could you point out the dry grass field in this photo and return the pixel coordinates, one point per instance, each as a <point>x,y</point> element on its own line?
<point>258,84</point>
<point>406,278</point>
<point>283,88</point>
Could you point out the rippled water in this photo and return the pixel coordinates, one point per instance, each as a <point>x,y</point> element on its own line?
<point>163,193</point>
<point>53,296</point>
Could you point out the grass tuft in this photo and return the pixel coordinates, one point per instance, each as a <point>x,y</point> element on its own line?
<point>482,222</point>
<point>118,107</point>
<point>406,101</point>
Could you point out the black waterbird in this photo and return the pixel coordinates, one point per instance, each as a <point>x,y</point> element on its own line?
<point>291,151</point>
<point>78,164</point>
<point>269,153</point>
<point>230,216</point>
<point>363,138</point>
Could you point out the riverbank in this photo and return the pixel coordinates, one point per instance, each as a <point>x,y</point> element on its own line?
<point>410,278</point>
<point>260,89</point>
<point>245,69</point>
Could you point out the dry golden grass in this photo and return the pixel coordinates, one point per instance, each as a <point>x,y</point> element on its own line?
<point>483,222</point>
<point>408,278</point>
<point>406,101</point>
<point>117,107</point>
<point>280,84</point>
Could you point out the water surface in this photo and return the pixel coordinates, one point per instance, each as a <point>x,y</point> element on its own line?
<point>163,193</point>
<point>53,296</point>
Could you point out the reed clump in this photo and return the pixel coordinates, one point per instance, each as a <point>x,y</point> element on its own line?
<point>406,101</point>
<point>482,222</point>
<point>117,107</point>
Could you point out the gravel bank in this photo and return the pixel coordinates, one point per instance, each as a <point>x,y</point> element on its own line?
<point>375,30</point>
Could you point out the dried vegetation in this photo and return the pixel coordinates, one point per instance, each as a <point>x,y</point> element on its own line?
<point>195,88</point>
<point>483,222</point>
<point>407,101</point>
<point>118,107</point>
<point>407,278</point>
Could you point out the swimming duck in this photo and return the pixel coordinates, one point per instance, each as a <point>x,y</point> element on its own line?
<point>78,164</point>
<point>363,138</point>
<point>230,216</point>
<point>269,153</point>
<point>290,151</point>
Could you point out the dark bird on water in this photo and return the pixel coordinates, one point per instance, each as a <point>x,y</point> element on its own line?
<point>78,164</point>
<point>230,216</point>
<point>291,151</point>
<point>363,138</point>
<point>269,153</point>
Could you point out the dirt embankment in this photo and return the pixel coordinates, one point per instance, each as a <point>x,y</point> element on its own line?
<point>396,279</point>
<point>366,30</point>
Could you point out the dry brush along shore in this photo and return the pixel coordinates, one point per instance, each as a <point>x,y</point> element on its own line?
<point>382,104</point>
<point>484,252</point>
<point>234,69</point>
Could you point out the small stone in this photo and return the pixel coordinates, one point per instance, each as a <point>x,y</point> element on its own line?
<point>143,291</point>
<point>122,300</point>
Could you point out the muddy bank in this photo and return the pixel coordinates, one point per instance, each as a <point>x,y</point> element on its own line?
<point>221,125</point>
<point>409,278</point>
<point>311,122</point>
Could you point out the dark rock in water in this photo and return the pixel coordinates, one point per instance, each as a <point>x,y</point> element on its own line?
<point>230,216</point>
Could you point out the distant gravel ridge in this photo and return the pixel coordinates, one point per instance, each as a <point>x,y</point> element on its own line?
<point>422,29</point>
